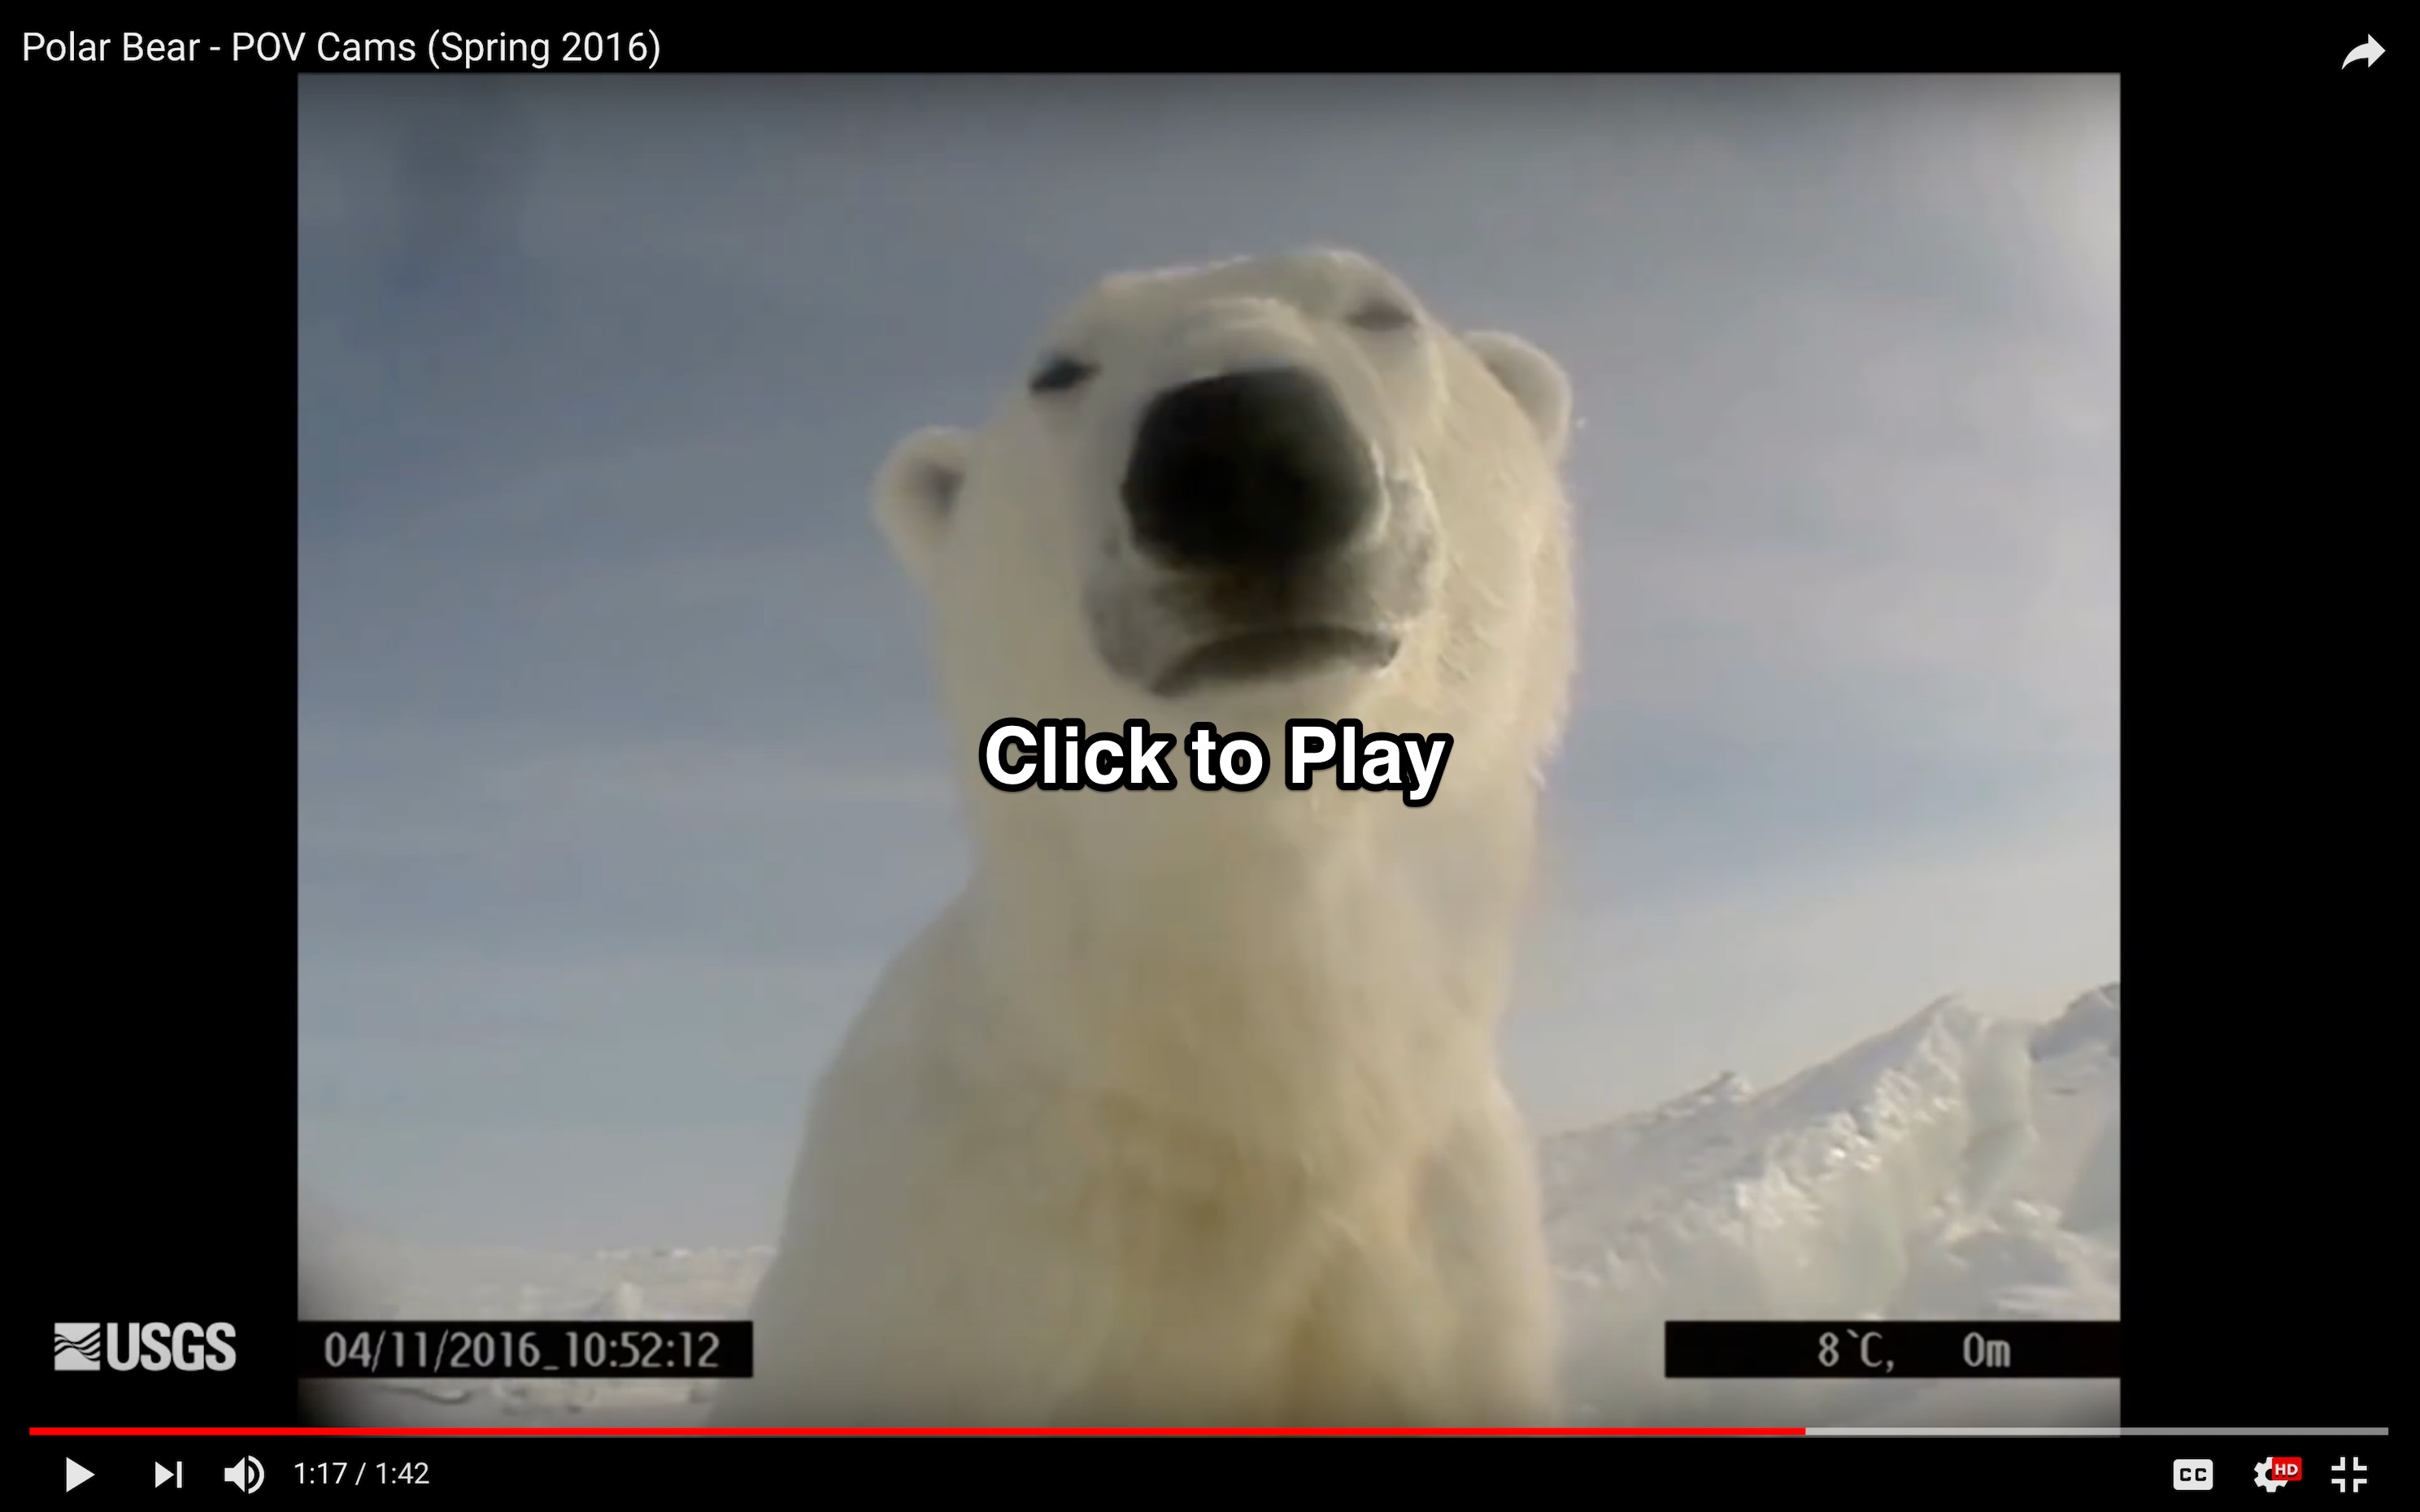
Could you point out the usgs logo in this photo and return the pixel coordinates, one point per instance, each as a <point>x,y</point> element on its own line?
<point>143,1346</point>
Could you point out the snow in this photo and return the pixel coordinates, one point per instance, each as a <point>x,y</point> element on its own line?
<point>1956,1166</point>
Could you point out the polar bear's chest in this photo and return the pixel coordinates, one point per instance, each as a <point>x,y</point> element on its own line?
<point>1250,1298</point>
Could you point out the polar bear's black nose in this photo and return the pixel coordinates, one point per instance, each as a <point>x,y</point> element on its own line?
<point>1247,470</point>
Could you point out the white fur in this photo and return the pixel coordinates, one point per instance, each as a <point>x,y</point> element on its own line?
<point>1186,1109</point>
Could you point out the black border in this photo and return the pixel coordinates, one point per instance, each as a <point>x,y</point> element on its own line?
<point>156,295</point>
<point>153,308</point>
<point>2249,195</point>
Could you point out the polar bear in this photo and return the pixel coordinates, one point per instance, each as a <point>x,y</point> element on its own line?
<point>1187,1110</point>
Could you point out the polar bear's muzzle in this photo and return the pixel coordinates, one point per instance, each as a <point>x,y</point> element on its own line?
<point>1258,511</point>
<point>1249,472</point>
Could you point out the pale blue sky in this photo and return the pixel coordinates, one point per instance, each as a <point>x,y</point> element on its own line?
<point>619,773</point>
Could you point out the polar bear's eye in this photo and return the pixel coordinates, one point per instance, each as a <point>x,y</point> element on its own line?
<point>1379,315</point>
<point>1061,374</point>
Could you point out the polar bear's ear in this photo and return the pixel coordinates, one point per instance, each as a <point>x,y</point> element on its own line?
<point>915,493</point>
<point>1536,382</point>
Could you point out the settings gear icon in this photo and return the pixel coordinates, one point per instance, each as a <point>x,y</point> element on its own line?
<point>2260,1477</point>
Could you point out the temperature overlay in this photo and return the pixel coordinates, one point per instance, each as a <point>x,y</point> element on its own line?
<point>1928,1351</point>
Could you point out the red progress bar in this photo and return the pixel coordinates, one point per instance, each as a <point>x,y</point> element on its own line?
<point>534,1432</point>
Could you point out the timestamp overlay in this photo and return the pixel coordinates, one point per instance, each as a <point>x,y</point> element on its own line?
<point>2023,1347</point>
<point>396,1348</point>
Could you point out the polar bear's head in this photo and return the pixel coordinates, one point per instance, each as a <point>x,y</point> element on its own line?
<point>1248,492</point>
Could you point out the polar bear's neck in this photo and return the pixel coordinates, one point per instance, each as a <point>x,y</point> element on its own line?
<point>1329,984</point>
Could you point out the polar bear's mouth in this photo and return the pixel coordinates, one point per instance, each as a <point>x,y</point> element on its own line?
<point>1276,652</point>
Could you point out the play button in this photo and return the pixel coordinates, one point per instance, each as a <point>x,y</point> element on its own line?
<point>77,1475</point>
